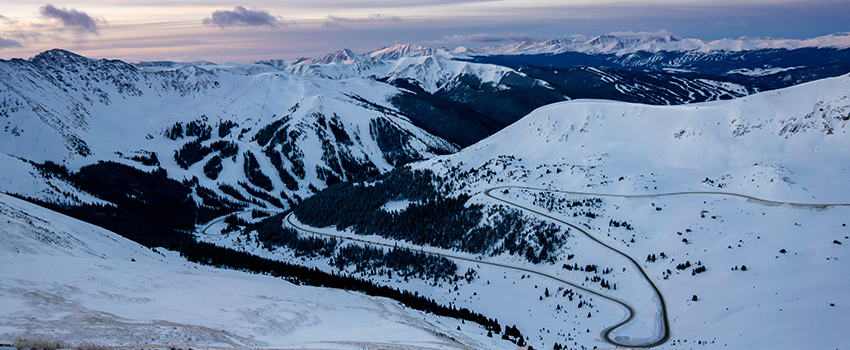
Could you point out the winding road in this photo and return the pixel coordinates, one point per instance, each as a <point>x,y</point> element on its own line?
<point>665,333</point>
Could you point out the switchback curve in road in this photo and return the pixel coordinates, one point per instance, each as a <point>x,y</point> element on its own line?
<point>665,335</point>
<point>663,309</point>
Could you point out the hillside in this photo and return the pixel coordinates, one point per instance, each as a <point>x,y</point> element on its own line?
<point>744,194</point>
<point>68,280</point>
<point>585,223</point>
<point>272,133</point>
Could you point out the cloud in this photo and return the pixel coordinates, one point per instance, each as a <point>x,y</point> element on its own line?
<point>632,34</point>
<point>242,17</point>
<point>338,22</point>
<point>724,23</point>
<point>70,18</point>
<point>489,38</point>
<point>9,43</point>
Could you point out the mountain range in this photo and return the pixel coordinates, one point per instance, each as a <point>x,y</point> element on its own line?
<point>583,192</point>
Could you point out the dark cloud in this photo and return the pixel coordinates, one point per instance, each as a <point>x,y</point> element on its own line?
<point>70,18</point>
<point>242,17</point>
<point>9,43</point>
<point>381,18</point>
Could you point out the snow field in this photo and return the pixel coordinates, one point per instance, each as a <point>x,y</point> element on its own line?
<point>68,280</point>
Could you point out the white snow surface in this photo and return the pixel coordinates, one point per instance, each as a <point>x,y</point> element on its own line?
<point>783,145</point>
<point>67,280</point>
<point>788,145</point>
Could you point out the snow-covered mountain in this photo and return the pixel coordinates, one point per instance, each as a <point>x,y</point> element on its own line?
<point>565,267</point>
<point>624,45</point>
<point>787,145</point>
<point>397,51</point>
<point>423,68</point>
<point>782,144</point>
<point>751,195</point>
<point>771,62</point>
<point>283,134</point>
<point>63,279</point>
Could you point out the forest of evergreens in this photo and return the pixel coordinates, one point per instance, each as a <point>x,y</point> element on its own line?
<point>432,217</point>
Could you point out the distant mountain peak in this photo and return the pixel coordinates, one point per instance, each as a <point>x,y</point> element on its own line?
<point>397,51</point>
<point>57,55</point>
<point>344,56</point>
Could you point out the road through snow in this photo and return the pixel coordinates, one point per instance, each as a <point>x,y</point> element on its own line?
<point>660,338</point>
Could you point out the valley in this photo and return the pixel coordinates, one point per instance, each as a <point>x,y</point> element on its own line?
<point>558,195</point>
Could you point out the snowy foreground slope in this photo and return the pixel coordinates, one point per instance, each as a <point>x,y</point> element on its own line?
<point>789,145</point>
<point>65,279</point>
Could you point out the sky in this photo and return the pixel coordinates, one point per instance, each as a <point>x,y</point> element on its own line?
<point>246,31</point>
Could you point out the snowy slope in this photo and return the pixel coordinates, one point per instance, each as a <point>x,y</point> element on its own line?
<point>756,182</point>
<point>397,51</point>
<point>77,111</point>
<point>67,280</point>
<point>788,145</point>
<point>781,144</point>
<point>428,69</point>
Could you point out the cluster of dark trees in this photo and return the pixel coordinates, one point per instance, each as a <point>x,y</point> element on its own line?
<point>225,127</point>
<point>272,234</point>
<point>196,128</point>
<point>653,257</point>
<point>623,224</point>
<point>255,174</point>
<point>230,191</point>
<point>513,334</point>
<point>262,195</point>
<point>146,158</point>
<point>212,205</point>
<point>511,225</point>
<point>194,151</point>
<point>391,141</point>
<point>556,203</point>
<point>148,207</point>
<point>268,132</point>
<point>213,167</point>
<point>698,270</point>
<point>602,282</point>
<point>405,262</point>
<point>432,218</point>
<point>155,211</point>
<point>587,268</point>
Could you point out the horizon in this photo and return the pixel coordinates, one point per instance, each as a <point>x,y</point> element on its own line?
<point>240,32</point>
<point>448,48</point>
